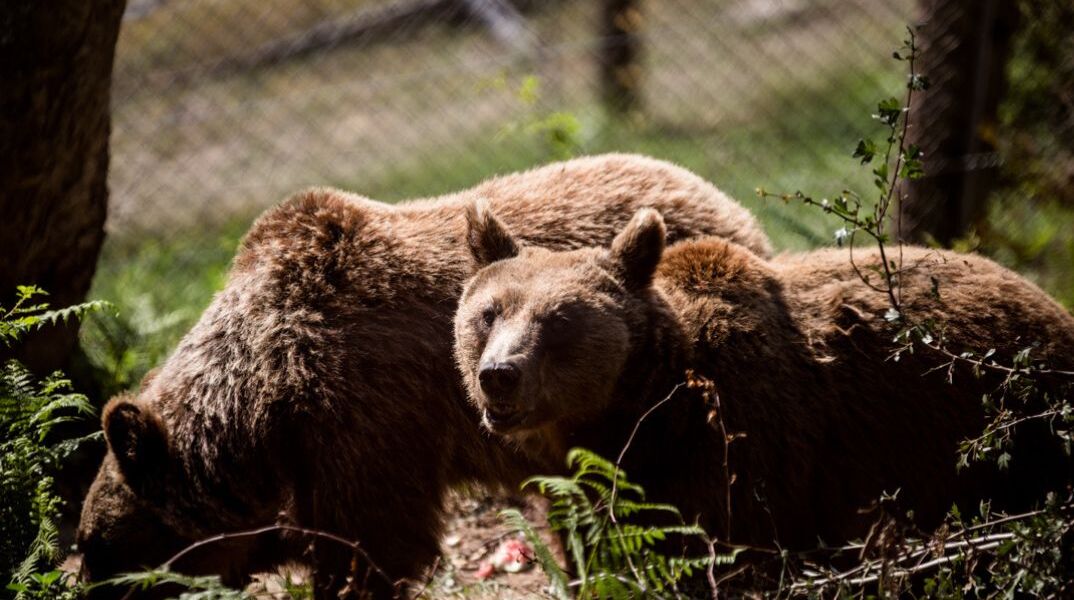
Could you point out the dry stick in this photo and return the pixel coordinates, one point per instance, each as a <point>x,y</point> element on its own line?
<point>1026,515</point>
<point>630,440</point>
<point>925,547</point>
<point>355,546</point>
<point>726,460</point>
<point>980,543</point>
<point>615,480</point>
<point>727,576</point>
<point>867,579</point>
<point>429,579</point>
<point>710,572</point>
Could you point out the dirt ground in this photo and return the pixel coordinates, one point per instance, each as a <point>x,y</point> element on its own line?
<point>473,534</point>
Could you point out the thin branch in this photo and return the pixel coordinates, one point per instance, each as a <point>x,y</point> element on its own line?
<point>710,571</point>
<point>615,480</point>
<point>922,548</point>
<point>995,366</point>
<point>630,440</point>
<point>353,545</point>
<point>867,579</point>
<point>428,580</point>
<point>1011,424</point>
<point>726,462</point>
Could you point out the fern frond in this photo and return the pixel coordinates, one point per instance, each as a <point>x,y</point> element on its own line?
<point>554,486</point>
<point>686,530</point>
<point>583,461</point>
<point>626,508</point>
<point>205,587</point>
<point>63,315</point>
<point>617,557</point>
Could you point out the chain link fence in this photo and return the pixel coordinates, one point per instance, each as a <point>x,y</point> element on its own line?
<point>222,108</point>
<point>1030,219</point>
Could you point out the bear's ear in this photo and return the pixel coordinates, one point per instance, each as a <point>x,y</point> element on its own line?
<point>487,237</point>
<point>636,251</point>
<point>138,439</point>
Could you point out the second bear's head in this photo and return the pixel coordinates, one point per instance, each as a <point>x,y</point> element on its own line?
<point>542,337</point>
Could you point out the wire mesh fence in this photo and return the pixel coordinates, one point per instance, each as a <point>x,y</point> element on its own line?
<point>222,108</point>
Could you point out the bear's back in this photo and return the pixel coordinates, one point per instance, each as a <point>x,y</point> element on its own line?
<point>802,356</point>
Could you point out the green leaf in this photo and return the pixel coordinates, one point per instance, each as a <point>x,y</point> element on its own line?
<point>889,111</point>
<point>865,150</point>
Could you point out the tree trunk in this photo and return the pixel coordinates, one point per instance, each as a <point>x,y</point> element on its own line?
<point>620,53</point>
<point>56,69</point>
<point>964,46</point>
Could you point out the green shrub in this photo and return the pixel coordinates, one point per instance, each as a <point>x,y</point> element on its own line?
<point>31,452</point>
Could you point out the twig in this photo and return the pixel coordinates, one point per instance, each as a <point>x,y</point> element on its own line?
<point>710,572</point>
<point>726,461</point>
<point>630,440</point>
<point>1010,424</point>
<point>920,549</point>
<point>882,209</point>
<point>727,576</point>
<point>615,480</point>
<point>995,366</point>
<point>429,579</point>
<point>355,546</point>
<point>867,579</point>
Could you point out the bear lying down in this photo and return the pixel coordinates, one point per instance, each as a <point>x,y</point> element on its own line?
<point>564,349</point>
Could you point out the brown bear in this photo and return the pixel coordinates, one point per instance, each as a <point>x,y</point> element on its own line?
<point>320,381</point>
<point>565,349</point>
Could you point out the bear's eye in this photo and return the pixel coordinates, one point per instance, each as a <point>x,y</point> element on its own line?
<point>557,329</point>
<point>558,324</point>
<point>488,317</point>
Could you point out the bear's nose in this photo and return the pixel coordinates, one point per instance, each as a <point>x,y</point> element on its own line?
<point>499,379</point>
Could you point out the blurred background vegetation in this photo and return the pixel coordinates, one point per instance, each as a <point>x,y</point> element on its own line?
<point>222,108</point>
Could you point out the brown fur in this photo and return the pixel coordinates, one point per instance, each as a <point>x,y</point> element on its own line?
<point>320,381</point>
<point>799,353</point>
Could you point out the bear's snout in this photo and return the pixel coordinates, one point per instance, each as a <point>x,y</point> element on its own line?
<point>502,408</point>
<point>499,380</point>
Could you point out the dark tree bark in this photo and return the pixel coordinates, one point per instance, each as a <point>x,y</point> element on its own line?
<point>620,54</point>
<point>56,71</point>
<point>964,48</point>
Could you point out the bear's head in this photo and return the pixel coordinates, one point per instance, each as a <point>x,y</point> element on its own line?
<point>134,516</point>
<point>542,338</point>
